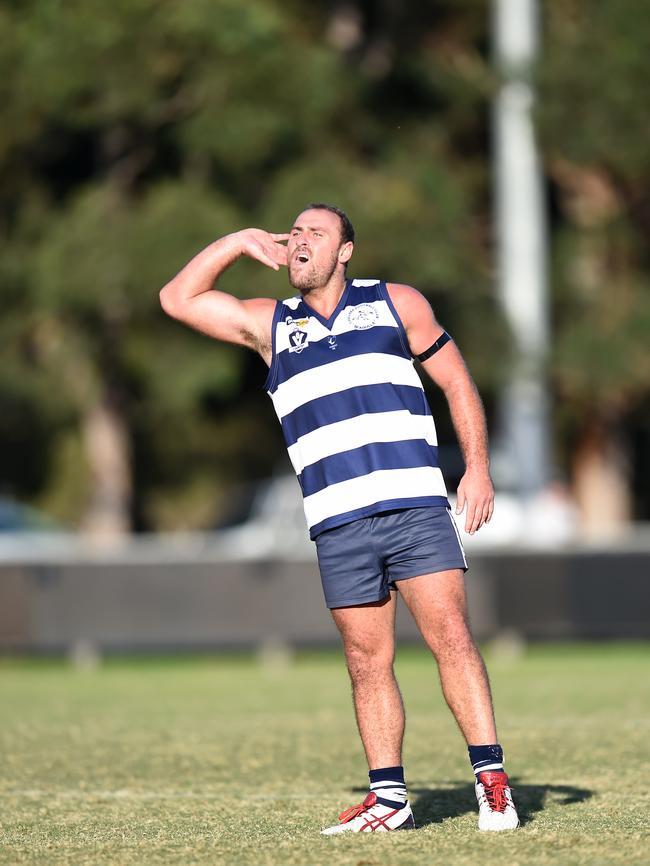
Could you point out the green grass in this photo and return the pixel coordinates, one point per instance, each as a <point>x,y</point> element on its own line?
<point>225,761</point>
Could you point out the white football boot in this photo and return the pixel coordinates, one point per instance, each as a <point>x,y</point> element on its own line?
<point>496,811</point>
<point>372,817</point>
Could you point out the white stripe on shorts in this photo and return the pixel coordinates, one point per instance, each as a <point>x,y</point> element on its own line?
<point>460,543</point>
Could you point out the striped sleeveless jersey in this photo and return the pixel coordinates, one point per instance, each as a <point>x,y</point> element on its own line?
<point>353,411</point>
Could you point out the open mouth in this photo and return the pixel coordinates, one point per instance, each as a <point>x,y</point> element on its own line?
<point>302,258</point>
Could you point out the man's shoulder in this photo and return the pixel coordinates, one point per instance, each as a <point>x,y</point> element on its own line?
<point>407,299</point>
<point>404,291</point>
<point>260,312</point>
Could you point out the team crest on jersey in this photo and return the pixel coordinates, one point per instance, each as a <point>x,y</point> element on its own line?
<point>298,340</point>
<point>363,316</point>
<point>298,337</point>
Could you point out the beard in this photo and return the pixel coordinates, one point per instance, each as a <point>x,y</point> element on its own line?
<point>308,277</point>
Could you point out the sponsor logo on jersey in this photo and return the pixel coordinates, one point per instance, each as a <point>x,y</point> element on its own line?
<point>299,323</point>
<point>363,316</point>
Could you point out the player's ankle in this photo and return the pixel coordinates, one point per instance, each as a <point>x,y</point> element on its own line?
<point>486,757</point>
<point>389,786</point>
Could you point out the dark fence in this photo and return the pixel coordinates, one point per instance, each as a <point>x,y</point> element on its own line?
<point>124,604</point>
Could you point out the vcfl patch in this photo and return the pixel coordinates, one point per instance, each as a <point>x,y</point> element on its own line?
<point>298,338</point>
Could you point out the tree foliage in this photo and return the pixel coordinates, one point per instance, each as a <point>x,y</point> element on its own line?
<point>135,132</point>
<point>594,121</point>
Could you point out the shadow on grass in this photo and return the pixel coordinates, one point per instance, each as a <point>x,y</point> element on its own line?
<point>434,805</point>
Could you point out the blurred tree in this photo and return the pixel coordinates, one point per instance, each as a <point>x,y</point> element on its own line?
<point>133,134</point>
<point>595,122</point>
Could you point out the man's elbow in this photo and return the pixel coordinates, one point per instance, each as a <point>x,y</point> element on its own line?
<point>169,302</point>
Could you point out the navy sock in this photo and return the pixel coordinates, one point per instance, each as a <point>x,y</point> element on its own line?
<point>485,758</point>
<point>389,786</point>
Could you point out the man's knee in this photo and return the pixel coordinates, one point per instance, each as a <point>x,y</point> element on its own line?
<point>452,636</point>
<point>367,662</point>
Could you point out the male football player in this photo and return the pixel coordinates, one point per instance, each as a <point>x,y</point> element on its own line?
<point>362,440</point>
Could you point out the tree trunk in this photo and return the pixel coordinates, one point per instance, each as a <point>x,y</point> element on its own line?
<point>601,480</point>
<point>108,452</point>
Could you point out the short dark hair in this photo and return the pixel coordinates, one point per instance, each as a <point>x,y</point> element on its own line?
<point>347,229</point>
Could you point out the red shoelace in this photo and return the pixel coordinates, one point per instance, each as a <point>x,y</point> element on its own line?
<point>353,811</point>
<point>496,798</point>
<point>494,787</point>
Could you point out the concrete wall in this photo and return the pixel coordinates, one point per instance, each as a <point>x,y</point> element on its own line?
<point>122,604</point>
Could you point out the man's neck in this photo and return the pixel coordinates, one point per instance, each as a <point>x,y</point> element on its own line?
<point>325,298</point>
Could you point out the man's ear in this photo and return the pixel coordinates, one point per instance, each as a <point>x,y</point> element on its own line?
<point>345,253</point>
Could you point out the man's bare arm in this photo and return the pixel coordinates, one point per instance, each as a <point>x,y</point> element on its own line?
<point>191,297</point>
<point>447,369</point>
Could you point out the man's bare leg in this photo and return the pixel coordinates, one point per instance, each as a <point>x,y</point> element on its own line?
<point>438,605</point>
<point>368,634</point>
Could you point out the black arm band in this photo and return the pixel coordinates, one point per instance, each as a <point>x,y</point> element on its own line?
<point>440,342</point>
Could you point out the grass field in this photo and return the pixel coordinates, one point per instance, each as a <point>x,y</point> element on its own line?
<point>228,761</point>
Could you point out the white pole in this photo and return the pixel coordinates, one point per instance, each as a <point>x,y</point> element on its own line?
<point>522,455</point>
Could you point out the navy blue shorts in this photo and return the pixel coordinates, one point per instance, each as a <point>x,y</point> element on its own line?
<point>360,561</point>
